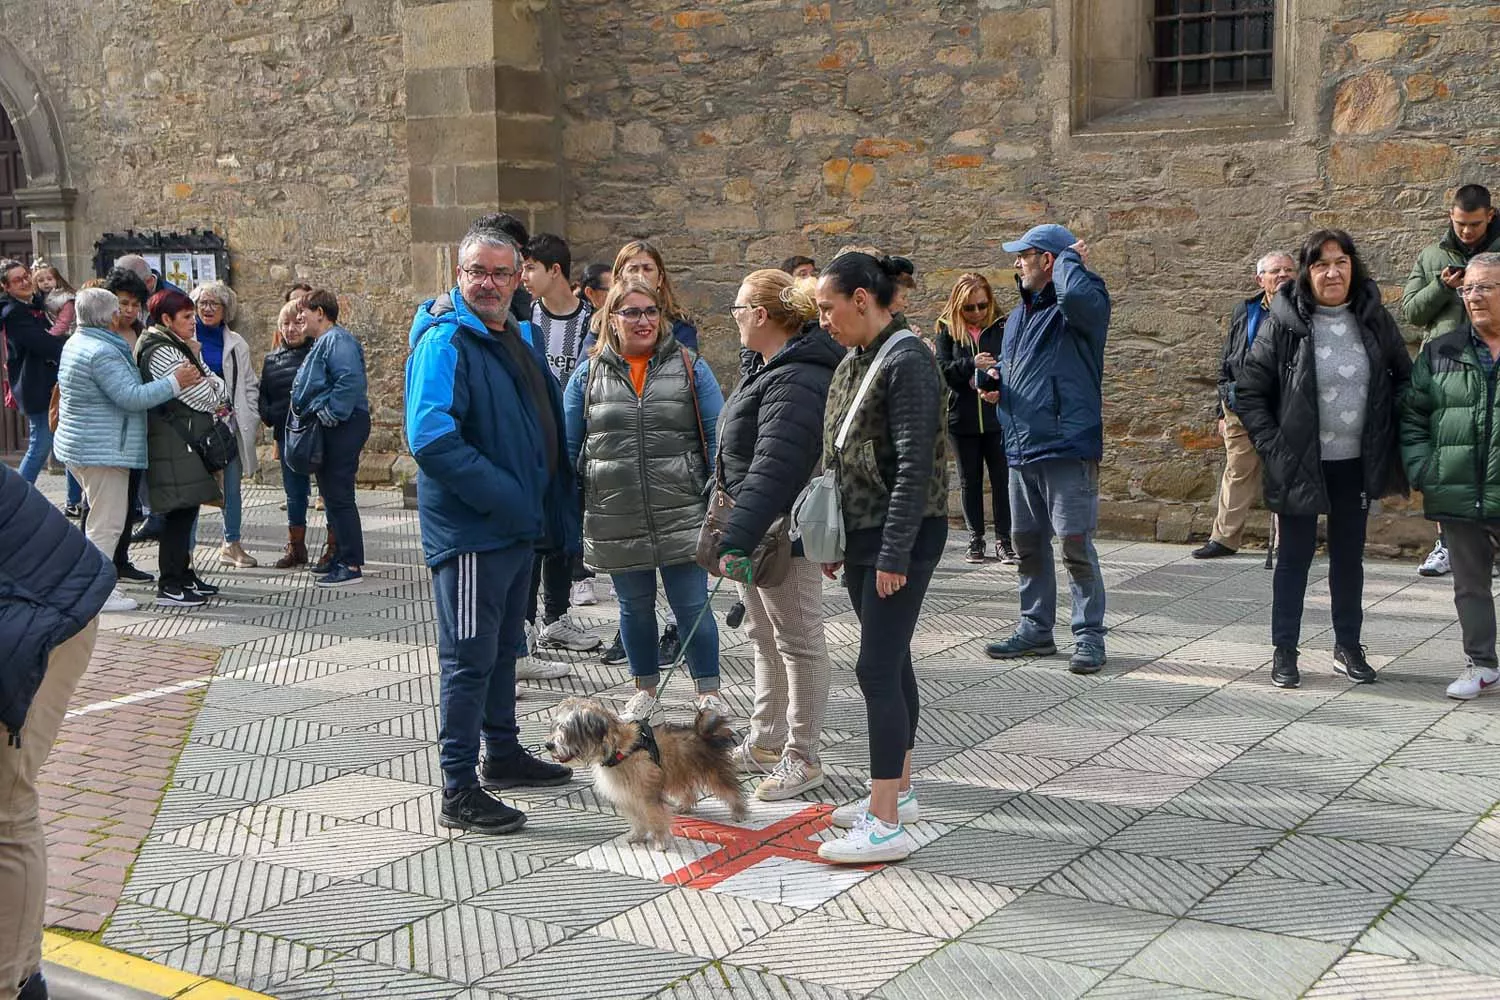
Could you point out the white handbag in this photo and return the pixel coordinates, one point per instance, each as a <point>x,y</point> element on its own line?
<point>818,514</point>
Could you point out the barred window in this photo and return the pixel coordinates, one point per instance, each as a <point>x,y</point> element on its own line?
<point>1212,46</point>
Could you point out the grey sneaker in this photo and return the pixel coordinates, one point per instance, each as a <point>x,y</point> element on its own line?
<point>565,634</point>
<point>1018,646</point>
<point>752,759</point>
<point>1088,658</point>
<point>792,777</point>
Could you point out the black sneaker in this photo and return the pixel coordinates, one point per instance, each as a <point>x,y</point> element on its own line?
<point>976,551</point>
<point>203,587</point>
<point>1284,672</point>
<point>1350,661</point>
<point>614,652</point>
<point>1006,552</point>
<point>34,988</point>
<point>523,771</point>
<point>670,646</point>
<point>129,574</point>
<point>1213,550</point>
<point>73,510</point>
<point>179,597</point>
<point>476,810</point>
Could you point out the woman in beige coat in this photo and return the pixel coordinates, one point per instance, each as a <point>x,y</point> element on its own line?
<point>228,356</point>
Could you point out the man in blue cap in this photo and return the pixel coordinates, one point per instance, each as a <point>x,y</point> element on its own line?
<point>1050,379</point>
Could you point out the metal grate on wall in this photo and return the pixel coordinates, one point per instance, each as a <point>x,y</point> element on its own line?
<point>1212,46</point>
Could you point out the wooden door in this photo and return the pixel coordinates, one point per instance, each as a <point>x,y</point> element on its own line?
<point>15,241</point>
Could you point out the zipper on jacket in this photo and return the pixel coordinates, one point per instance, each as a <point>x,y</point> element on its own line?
<point>640,440</point>
<point>1489,429</point>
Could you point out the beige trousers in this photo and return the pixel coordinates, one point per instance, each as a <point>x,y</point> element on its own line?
<point>107,490</point>
<point>792,668</point>
<point>1240,485</point>
<point>23,842</point>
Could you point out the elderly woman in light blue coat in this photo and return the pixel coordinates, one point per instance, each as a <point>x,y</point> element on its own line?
<point>101,424</point>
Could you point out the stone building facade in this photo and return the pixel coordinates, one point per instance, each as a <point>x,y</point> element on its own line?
<point>348,142</point>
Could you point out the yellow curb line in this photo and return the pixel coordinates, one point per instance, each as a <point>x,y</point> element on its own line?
<point>137,973</point>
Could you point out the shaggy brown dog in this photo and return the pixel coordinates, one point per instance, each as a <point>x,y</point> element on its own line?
<point>649,771</point>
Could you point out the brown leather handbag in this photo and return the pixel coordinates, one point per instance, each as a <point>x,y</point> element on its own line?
<point>772,559</point>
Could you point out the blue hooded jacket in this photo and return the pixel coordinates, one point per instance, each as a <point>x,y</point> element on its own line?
<point>482,481</point>
<point>53,581</point>
<point>1052,368</point>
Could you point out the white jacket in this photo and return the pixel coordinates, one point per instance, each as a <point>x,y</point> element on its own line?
<point>244,390</point>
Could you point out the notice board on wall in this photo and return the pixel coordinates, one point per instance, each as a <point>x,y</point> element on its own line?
<point>187,260</point>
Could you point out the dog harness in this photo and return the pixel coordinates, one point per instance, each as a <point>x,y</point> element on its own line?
<point>646,740</point>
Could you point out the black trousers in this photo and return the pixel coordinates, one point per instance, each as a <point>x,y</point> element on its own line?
<point>977,453</point>
<point>1348,515</point>
<point>342,445</point>
<point>884,670</point>
<point>552,572</point>
<point>175,551</point>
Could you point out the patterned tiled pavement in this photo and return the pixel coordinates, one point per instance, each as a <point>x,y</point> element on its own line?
<point>1172,827</point>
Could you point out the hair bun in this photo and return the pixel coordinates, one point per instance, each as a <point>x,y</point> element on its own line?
<point>800,299</point>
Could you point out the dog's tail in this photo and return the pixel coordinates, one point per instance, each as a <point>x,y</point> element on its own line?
<point>714,730</point>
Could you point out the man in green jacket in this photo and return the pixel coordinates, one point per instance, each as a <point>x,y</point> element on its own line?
<point>1450,444</point>
<point>1430,300</point>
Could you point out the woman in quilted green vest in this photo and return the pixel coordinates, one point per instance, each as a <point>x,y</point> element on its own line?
<point>641,412</point>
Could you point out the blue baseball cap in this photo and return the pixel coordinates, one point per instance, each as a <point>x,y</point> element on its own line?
<point>1048,238</point>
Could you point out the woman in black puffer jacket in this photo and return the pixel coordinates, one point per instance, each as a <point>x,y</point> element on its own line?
<point>1318,395</point>
<point>290,347</point>
<point>770,440</point>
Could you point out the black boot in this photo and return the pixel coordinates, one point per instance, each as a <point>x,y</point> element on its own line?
<point>34,988</point>
<point>1350,661</point>
<point>476,810</point>
<point>523,771</point>
<point>1284,672</point>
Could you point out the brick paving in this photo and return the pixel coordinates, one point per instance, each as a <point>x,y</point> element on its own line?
<point>1172,827</point>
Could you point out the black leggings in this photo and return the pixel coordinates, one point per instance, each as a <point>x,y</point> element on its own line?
<point>175,552</point>
<point>886,678</point>
<point>977,452</point>
<point>1348,514</point>
<point>552,572</point>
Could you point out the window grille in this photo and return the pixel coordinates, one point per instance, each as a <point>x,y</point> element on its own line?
<point>1212,46</point>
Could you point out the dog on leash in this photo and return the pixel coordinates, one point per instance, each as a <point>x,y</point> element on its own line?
<point>647,771</point>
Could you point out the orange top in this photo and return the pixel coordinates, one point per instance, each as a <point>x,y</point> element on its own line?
<point>638,372</point>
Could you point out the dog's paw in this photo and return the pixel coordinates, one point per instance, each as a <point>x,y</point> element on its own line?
<point>638,838</point>
<point>665,842</point>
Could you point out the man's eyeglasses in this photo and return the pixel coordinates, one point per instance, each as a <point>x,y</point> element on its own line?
<point>1025,254</point>
<point>650,313</point>
<point>977,308</point>
<point>479,275</point>
<point>1477,291</point>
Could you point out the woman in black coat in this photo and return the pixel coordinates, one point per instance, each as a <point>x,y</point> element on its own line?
<point>289,349</point>
<point>969,332</point>
<point>1318,395</point>
<point>770,441</point>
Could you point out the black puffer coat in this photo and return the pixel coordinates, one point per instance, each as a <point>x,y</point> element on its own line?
<point>53,582</point>
<point>967,413</point>
<point>276,377</point>
<point>770,434</point>
<point>1278,401</point>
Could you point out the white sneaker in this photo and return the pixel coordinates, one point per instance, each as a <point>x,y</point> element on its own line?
<point>1473,682</point>
<point>639,708</point>
<point>582,594</point>
<point>845,817</point>
<point>1436,563</point>
<point>792,777</point>
<point>752,759</point>
<point>612,592</point>
<point>533,669</point>
<point>563,634</point>
<point>711,702</point>
<point>117,602</point>
<point>530,639</point>
<point>869,842</point>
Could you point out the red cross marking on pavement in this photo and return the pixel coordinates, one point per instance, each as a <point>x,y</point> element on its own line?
<point>741,848</point>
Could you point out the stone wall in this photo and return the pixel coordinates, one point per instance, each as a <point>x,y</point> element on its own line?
<point>280,125</point>
<point>738,133</point>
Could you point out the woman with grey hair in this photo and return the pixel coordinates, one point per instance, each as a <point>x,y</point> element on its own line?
<point>101,423</point>
<point>228,356</point>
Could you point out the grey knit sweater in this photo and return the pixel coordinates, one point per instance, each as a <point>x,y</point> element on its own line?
<point>1343,370</point>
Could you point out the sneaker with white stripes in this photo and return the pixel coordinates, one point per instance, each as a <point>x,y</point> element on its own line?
<point>792,777</point>
<point>907,811</point>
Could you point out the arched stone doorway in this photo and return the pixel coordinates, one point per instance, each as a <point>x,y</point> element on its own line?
<point>36,195</point>
<point>15,231</point>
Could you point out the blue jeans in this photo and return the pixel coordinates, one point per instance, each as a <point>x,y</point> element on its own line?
<point>481,611</point>
<point>233,473</point>
<point>75,491</point>
<point>297,487</point>
<point>1057,497</point>
<point>686,585</point>
<point>38,446</point>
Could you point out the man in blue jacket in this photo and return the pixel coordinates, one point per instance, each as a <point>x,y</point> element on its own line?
<point>52,585</point>
<point>484,422</point>
<point>1051,374</point>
